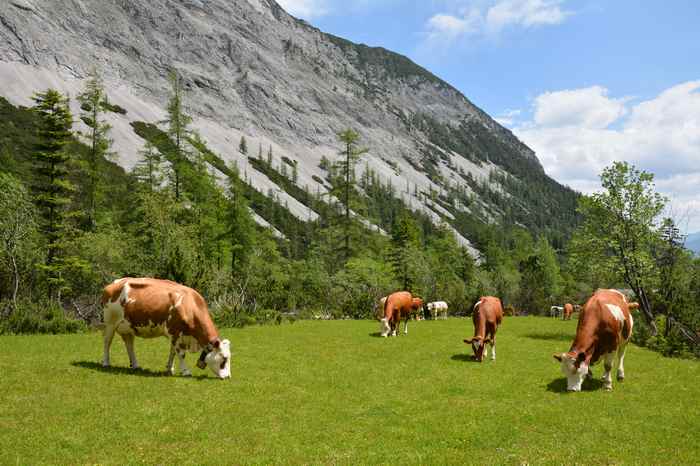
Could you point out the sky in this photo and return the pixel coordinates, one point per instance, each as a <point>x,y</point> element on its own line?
<point>583,83</point>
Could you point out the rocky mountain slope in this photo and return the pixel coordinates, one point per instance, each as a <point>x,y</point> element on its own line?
<point>252,70</point>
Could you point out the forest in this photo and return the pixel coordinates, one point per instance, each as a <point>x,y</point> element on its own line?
<point>72,220</point>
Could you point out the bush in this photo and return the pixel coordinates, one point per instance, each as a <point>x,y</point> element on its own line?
<point>41,317</point>
<point>671,345</point>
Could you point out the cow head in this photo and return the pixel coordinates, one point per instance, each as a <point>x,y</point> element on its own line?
<point>217,357</point>
<point>478,344</point>
<point>574,367</point>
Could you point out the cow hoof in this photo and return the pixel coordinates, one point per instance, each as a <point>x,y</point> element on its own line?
<point>105,364</point>
<point>186,374</point>
<point>620,378</point>
<point>607,387</point>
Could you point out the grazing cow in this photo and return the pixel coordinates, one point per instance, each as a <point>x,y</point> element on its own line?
<point>436,308</point>
<point>487,316</point>
<point>556,311</point>
<point>568,310</point>
<point>397,306</point>
<point>379,308</point>
<point>604,326</point>
<point>148,308</point>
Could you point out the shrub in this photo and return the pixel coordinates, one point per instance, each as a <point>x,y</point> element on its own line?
<point>40,317</point>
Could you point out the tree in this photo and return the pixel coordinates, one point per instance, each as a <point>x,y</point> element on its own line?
<point>618,229</point>
<point>53,189</point>
<point>346,177</point>
<point>149,169</point>
<point>17,225</point>
<point>243,146</point>
<point>405,243</point>
<point>178,129</point>
<point>240,225</point>
<point>93,100</point>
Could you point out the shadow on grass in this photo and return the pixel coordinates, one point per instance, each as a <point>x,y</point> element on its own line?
<point>550,336</point>
<point>463,357</point>
<point>376,334</point>
<point>559,385</point>
<point>140,372</point>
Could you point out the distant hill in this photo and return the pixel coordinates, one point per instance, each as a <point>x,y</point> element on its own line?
<point>693,242</point>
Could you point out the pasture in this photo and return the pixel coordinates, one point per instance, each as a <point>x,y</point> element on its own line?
<point>334,393</point>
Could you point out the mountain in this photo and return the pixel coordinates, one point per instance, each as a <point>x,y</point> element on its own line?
<point>692,242</point>
<point>250,69</point>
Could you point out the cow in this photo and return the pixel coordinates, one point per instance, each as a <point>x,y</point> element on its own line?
<point>379,308</point>
<point>487,316</point>
<point>149,308</point>
<point>397,306</point>
<point>604,327</point>
<point>556,311</point>
<point>568,310</point>
<point>436,308</point>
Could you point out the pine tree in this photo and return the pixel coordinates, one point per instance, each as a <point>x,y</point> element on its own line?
<point>53,189</point>
<point>178,129</point>
<point>241,229</point>
<point>404,243</point>
<point>93,100</point>
<point>269,156</point>
<point>243,146</point>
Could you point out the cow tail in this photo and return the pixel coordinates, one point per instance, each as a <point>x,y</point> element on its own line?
<point>626,329</point>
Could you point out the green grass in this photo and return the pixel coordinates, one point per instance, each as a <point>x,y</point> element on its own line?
<point>332,392</point>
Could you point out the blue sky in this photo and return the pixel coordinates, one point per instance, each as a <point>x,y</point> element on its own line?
<point>581,82</point>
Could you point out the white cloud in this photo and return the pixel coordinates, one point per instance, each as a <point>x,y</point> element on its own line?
<point>572,135</point>
<point>525,13</point>
<point>491,20</point>
<point>306,9</point>
<point>508,117</point>
<point>589,107</point>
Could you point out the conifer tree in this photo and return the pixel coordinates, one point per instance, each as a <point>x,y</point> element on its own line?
<point>178,130</point>
<point>93,100</point>
<point>149,169</point>
<point>243,146</point>
<point>53,189</point>
<point>345,180</point>
<point>404,243</point>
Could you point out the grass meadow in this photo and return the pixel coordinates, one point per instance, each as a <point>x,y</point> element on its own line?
<point>335,393</point>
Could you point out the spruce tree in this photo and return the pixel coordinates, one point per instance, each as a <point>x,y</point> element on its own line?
<point>93,100</point>
<point>243,146</point>
<point>53,189</point>
<point>149,169</point>
<point>345,180</point>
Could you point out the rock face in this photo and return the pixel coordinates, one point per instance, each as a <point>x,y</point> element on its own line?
<point>251,69</point>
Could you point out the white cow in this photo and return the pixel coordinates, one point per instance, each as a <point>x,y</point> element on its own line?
<point>436,308</point>
<point>556,311</point>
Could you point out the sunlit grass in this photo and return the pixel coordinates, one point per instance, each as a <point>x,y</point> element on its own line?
<point>333,392</point>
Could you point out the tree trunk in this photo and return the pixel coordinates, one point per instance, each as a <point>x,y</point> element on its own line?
<point>646,310</point>
<point>16,284</point>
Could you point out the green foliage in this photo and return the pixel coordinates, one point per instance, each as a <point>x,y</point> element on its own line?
<point>38,317</point>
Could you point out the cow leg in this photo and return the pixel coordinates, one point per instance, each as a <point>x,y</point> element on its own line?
<point>169,366</point>
<point>129,343</point>
<point>607,379</point>
<point>405,325</point>
<point>184,370</point>
<point>493,349</point>
<point>621,361</point>
<point>108,334</point>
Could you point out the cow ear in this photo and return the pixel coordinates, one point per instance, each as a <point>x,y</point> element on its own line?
<point>557,356</point>
<point>580,357</point>
<point>469,342</point>
<point>487,340</point>
<point>217,344</point>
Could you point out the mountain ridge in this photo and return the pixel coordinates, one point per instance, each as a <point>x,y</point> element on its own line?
<point>253,70</point>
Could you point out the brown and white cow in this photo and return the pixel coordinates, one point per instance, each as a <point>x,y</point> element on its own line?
<point>604,327</point>
<point>568,311</point>
<point>149,308</point>
<point>397,306</point>
<point>487,316</point>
